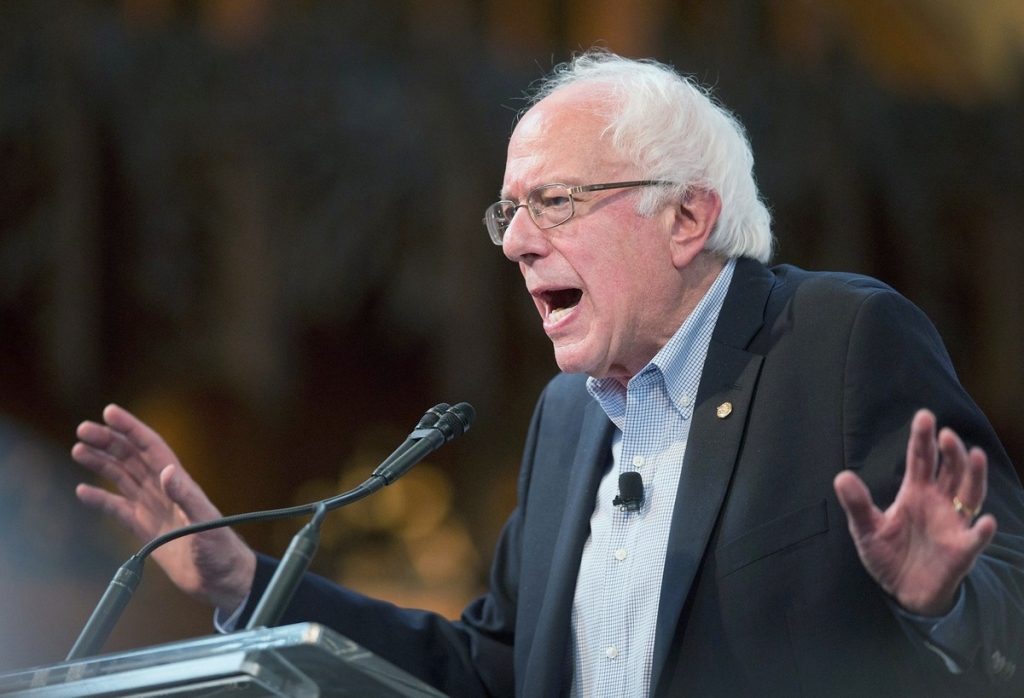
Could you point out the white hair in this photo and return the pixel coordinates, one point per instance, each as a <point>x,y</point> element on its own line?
<point>671,129</point>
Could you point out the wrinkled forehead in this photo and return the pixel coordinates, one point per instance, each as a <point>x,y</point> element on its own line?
<point>580,112</point>
<point>563,138</point>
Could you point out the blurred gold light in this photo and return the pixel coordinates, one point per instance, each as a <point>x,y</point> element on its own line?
<point>235,23</point>
<point>964,51</point>
<point>446,556</point>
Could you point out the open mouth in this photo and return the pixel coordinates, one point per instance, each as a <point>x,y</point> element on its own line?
<point>560,302</point>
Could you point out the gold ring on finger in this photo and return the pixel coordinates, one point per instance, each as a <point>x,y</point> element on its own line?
<point>963,510</point>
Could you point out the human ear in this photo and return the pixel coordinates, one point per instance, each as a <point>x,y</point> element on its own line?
<point>693,220</point>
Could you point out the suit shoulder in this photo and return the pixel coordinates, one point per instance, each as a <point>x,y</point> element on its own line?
<point>833,283</point>
<point>838,304</point>
<point>839,291</point>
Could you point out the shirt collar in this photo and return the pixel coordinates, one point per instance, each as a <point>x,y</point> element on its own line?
<point>679,363</point>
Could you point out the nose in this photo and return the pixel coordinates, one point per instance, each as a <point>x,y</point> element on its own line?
<point>523,240</point>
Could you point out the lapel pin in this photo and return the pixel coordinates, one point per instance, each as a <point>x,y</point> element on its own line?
<point>724,410</point>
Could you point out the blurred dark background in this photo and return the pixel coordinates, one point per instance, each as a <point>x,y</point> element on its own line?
<point>256,224</point>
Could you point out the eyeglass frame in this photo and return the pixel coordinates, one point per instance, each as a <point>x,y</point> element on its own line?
<point>497,236</point>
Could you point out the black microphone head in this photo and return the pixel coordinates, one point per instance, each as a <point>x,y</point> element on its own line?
<point>456,421</point>
<point>431,416</point>
<point>631,491</point>
<point>466,414</point>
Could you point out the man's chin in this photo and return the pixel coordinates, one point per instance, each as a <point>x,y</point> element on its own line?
<point>570,361</point>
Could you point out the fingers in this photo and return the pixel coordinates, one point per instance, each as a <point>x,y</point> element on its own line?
<point>105,467</point>
<point>124,447</point>
<point>954,462</point>
<point>100,438</point>
<point>861,513</point>
<point>960,474</point>
<point>187,494</point>
<point>984,530</point>
<point>134,430</point>
<point>107,503</point>
<point>973,484</point>
<point>963,473</point>
<point>922,455</point>
<point>129,473</point>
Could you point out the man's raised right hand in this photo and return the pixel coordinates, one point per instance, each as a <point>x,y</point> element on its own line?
<point>156,495</point>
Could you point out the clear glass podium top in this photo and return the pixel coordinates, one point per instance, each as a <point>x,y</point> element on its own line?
<point>306,660</point>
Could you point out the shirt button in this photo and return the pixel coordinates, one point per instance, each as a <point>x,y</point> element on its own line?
<point>611,652</point>
<point>685,400</point>
<point>638,461</point>
<point>620,554</point>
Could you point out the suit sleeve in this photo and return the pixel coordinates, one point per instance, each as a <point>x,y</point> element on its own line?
<point>897,364</point>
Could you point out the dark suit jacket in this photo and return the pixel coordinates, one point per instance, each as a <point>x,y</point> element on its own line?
<point>763,592</point>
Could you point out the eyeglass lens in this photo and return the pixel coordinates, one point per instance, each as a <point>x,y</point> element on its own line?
<point>549,206</point>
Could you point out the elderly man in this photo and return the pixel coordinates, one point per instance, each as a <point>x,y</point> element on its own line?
<point>759,407</point>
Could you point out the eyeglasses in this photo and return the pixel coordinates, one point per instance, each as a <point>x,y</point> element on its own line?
<point>549,205</point>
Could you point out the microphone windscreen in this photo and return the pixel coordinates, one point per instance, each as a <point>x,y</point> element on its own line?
<point>431,416</point>
<point>631,486</point>
<point>457,420</point>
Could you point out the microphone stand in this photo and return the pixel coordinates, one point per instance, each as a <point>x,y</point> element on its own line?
<point>289,573</point>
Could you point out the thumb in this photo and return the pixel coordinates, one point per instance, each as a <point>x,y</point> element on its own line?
<point>181,489</point>
<point>854,497</point>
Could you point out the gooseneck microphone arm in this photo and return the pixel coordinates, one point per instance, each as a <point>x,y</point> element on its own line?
<point>438,425</point>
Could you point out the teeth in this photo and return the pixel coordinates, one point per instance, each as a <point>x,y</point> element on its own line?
<point>558,313</point>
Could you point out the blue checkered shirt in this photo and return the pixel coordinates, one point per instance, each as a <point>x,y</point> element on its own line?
<point>616,605</point>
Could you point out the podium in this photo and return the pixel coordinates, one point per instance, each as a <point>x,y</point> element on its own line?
<point>306,660</point>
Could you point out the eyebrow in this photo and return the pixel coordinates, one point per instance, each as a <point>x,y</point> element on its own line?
<point>502,196</point>
<point>567,182</point>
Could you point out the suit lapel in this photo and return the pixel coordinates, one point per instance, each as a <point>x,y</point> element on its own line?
<point>727,385</point>
<point>549,667</point>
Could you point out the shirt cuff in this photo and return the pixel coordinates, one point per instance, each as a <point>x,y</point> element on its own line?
<point>224,623</point>
<point>943,635</point>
